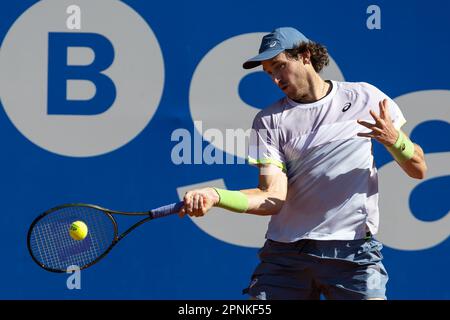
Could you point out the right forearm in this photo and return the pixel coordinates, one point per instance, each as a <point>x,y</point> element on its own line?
<point>252,201</point>
<point>263,202</point>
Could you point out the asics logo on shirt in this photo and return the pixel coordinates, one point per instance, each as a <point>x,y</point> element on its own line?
<point>346,106</point>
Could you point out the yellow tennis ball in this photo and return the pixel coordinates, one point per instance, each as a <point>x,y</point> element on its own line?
<point>78,230</point>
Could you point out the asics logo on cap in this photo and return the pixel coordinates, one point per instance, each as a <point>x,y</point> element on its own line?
<point>273,44</point>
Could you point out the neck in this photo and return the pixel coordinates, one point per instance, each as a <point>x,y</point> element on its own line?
<point>317,89</point>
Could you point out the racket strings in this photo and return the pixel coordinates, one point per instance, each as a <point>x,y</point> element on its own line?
<point>52,245</point>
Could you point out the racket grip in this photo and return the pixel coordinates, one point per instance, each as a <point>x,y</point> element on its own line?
<point>166,210</point>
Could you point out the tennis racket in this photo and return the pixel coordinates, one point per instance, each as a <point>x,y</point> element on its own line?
<point>52,247</point>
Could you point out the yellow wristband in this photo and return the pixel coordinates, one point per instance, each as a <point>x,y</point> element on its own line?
<point>232,200</point>
<point>403,148</point>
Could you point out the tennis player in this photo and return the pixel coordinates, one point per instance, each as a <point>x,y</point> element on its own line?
<point>318,180</point>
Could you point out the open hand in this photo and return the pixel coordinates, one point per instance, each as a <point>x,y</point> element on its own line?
<point>383,129</point>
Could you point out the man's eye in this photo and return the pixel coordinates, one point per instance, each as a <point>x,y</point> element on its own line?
<point>278,67</point>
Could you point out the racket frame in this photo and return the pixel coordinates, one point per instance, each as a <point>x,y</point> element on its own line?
<point>109,213</point>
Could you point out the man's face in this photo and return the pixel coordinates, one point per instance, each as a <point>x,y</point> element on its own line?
<point>288,74</point>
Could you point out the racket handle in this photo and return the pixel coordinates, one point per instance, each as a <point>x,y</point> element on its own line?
<point>166,210</point>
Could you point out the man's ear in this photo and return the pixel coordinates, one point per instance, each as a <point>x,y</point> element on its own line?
<point>306,57</point>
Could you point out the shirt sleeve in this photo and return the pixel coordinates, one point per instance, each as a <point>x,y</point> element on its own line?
<point>398,120</point>
<point>264,144</point>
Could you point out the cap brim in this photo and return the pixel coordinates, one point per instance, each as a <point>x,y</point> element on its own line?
<point>256,61</point>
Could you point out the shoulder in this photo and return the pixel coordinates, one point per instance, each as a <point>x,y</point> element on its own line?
<point>361,90</point>
<point>359,87</point>
<point>270,116</point>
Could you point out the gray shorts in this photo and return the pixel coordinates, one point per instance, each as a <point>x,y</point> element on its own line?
<point>337,269</point>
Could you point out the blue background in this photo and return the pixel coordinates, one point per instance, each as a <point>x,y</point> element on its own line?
<point>171,258</point>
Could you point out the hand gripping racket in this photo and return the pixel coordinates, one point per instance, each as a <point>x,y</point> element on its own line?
<point>52,247</point>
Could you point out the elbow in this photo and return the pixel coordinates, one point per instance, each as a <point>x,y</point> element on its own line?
<point>275,205</point>
<point>419,173</point>
<point>280,200</point>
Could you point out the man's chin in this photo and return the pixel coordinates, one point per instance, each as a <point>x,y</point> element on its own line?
<point>287,92</point>
<point>290,94</point>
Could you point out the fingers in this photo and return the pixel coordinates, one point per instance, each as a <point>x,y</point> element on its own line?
<point>375,116</point>
<point>382,130</point>
<point>182,213</point>
<point>366,135</point>
<point>197,203</point>
<point>194,204</point>
<point>187,202</point>
<point>385,110</point>
<point>366,124</point>
<point>381,105</point>
<point>375,133</point>
<point>379,119</point>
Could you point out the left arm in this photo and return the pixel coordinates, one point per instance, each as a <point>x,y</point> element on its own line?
<point>408,155</point>
<point>416,166</point>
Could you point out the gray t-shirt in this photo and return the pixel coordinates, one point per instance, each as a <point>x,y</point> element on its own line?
<point>332,180</point>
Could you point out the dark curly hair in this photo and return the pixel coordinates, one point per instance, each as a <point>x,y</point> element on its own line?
<point>319,54</point>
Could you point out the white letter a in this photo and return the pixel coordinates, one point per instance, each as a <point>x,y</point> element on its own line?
<point>74,281</point>
<point>74,20</point>
<point>374,21</point>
